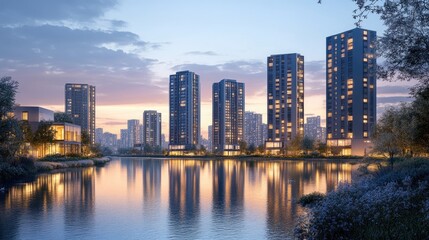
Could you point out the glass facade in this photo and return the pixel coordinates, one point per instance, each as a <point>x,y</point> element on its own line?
<point>184,95</point>
<point>80,106</point>
<point>351,88</point>
<point>228,116</point>
<point>285,98</point>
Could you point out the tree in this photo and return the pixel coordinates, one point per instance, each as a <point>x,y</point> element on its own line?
<point>421,119</point>
<point>11,138</point>
<point>295,145</point>
<point>307,144</point>
<point>27,136</point>
<point>251,149</point>
<point>322,148</point>
<point>62,117</point>
<point>261,149</point>
<point>243,146</point>
<point>405,42</point>
<point>85,142</point>
<point>8,88</point>
<point>203,150</point>
<point>393,133</point>
<point>43,136</point>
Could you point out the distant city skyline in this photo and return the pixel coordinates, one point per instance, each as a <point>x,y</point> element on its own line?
<point>116,47</point>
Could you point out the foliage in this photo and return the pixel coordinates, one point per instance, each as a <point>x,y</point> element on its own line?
<point>405,42</point>
<point>295,145</point>
<point>11,138</point>
<point>62,117</point>
<point>322,148</point>
<point>10,132</point>
<point>43,136</point>
<point>307,144</point>
<point>8,88</point>
<point>311,198</point>
<point>243,146</point>
<point>261,149</point>
<point>85,142</point>
<point>17,168</point>
<point>392,204</point>
<point>404,130</point>
<point>421,119</point>
<point>392,131</point>
<point>251,149</point>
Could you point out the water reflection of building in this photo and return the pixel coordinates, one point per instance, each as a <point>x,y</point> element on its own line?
<point>228,195</point>
<point>131,165</point>
<point>72,192</point>
<point>288,181</point>
<point>280,193</point>
<point>184,196</point>
<point>151,177</point>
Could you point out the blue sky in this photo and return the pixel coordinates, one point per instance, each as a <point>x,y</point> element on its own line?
<point>127,49</point>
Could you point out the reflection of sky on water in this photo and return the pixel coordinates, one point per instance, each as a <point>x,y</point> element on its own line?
<point>161,198</point>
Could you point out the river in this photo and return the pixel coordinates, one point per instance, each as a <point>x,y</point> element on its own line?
<point>150,198</point>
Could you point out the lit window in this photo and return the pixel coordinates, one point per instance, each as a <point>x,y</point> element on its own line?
<point>24,116</point>
<point>365,134</point>
<point>350,44</point>
<point>349,135</point>
<point>365,100</point>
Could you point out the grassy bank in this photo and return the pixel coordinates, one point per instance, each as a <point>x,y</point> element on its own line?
<point>23,168</point>
<point>389,203</point>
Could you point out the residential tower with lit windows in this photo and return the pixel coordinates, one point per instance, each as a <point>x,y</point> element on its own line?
<point>350,91</point>
<point>152,128</point>
<point>80,106</point>
<point>184,92</point>
<point>228,117</point>
<point>285,98</point>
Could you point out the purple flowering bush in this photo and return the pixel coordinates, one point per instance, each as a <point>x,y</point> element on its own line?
<point>393,203</point>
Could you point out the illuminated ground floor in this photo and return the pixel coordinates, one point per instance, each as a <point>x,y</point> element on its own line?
<point>349,147</point>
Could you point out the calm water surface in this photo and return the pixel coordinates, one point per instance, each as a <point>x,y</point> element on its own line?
<point>144,198</point>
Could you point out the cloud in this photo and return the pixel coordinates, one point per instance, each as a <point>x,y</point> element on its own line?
<point>19,12</point>
<point>118,24</point>
<point>200,53</point>
<point>252,73</point>
<point>45,46</point>
<point>61,46</point>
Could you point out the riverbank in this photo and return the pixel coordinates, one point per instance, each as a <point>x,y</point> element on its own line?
<point>26,169</point>
<point>44,166</point>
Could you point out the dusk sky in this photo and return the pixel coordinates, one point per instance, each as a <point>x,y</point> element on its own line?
<point>128,49</point>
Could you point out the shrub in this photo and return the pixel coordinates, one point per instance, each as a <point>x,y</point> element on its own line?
<point>311,198</point>
<point>393,204</point>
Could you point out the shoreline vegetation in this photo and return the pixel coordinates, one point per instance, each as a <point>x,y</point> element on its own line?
<point>26,169</point>
<point>385,201</point>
